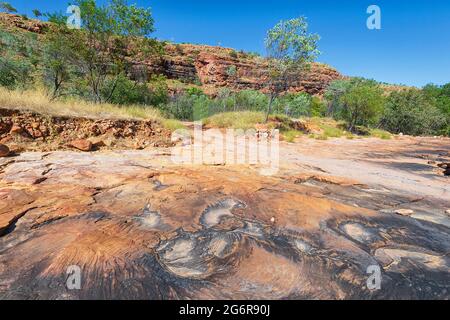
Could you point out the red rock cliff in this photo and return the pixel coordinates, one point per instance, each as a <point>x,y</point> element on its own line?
<point>216,67</point>
<point>211,67</point>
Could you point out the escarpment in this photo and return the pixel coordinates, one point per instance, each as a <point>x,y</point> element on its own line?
<point>210,67</point>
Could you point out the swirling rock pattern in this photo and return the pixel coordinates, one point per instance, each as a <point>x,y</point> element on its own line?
<point>141,228</point>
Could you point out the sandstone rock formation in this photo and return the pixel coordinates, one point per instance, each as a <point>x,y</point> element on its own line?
<point>32,131</point>
<point>82,145</point>
<point>4,150</point>
<point>140,227</point>
<point>208,66</point>
<point>11,21</point>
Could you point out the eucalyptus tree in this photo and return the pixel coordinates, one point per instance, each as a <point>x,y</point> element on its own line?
<point>290,50</point>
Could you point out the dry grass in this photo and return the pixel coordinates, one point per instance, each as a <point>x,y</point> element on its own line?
<point>291,135</point>
<point>236,120</point>
<point>37,101</point>
<point>381,134</point>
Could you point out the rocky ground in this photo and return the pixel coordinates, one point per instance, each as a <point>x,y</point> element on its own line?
<point>28,131</point>
<point>141,227</point>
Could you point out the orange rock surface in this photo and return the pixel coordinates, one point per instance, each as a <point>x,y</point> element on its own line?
<point>140,227</point>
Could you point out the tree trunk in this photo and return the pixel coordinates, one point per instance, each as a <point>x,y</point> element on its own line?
<point>269,107</point>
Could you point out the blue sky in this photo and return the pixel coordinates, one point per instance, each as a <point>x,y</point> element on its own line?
<point>413,46</point>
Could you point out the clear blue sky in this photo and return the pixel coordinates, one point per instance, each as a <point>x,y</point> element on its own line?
<point>413,46</point>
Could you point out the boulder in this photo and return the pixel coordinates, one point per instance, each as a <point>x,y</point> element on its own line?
<point>82,145</point>
<point>16,130</point>
<point>404,212</point>
<point>97,142</point>
<point>4,150</point>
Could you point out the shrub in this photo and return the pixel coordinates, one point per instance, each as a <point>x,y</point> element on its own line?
<point>293,105</point>
<point>234,54</point>
<point>237,120</point>
<point>231,71</point>
<point>159,90</point>
<point>250,100</point>
<point>439,96</point>
<point>8,77</point>
<point>193,104</point>
<point>363,105</point>
<point>335,90</point>
<point>318,107</point>
<point>193,91</point>
<point>5,6</point>
<point>15,73</point>
<point>410,112</point>
<point>128,92</point>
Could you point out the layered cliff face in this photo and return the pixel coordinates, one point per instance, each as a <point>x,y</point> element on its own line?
<point>215,68</point>
<point>211,67</point>
<point>14,21</point>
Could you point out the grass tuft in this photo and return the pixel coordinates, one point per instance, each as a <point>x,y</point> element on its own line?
<point>237,120</point>
<point>37,101</point>
<point>291,135</point>
<point>378,133</point>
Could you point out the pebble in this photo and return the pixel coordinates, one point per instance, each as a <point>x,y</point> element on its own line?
<point>404,212</point>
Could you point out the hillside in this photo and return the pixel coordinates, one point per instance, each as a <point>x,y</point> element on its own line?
<point>205,65</point>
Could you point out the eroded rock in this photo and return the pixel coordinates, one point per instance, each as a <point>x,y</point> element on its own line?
<point>82,145</point>
<point>404,212</point>
<point>142,227</point>
<point>4,150</point>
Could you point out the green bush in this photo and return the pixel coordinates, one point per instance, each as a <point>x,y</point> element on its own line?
<point>250,100</point>
<point>159,90</point>
<point>193,104</point>
<point>234,54</point>
<point>335,90</point>
<point>128,92</point>
<point>19,57</point>
<point>411,112</point>
<point>8,77</point>
<point>15,73</point>
<point>293,105</point>
<point>362,105</point>
<point>439,96</point>
<point>318,107</point>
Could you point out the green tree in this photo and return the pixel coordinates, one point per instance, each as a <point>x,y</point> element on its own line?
<point>5,6</point>
<point>336,89</point>
<point>412,112</point>
<point>112,40</point>
<point>439,96</point>
<point>128,92</point>
<point>19,57</point>
<point>290,49</point>
<point>250,100</point>
<point>363,105</point>
<point>59,59</point>
<point>318,107</point>
<point>293,105</point>
<point>333,94</point>
<point>37,13</point>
